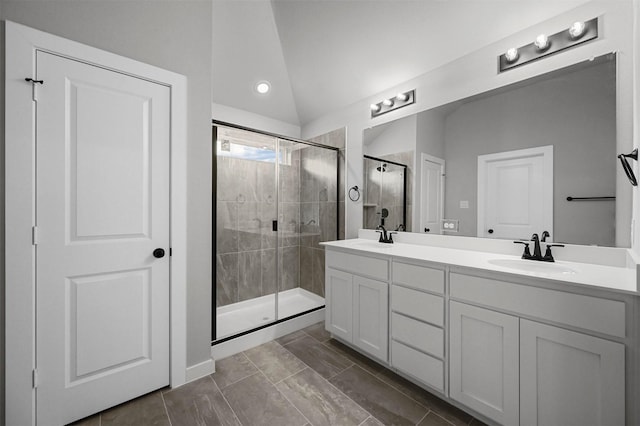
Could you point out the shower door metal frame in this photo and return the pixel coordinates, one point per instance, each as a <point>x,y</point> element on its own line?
<point>215,125</point>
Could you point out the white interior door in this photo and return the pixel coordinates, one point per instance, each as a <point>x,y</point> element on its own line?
<point>102,189</point>
<point>432,198</point>
<point>515,193</point>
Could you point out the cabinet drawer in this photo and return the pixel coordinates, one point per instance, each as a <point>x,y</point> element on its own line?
<point>361,265</point>
<point>591,313</point>
<point>418,334</point>
<point>421,366</point>
<point>423,306</point>
<point>419,277</point>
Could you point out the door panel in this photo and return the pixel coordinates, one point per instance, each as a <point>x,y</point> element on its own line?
<point>515,193</point>
<point>370,316</point>
<point>339,293</point>
<point>102,209</point>
<point>432,175</point>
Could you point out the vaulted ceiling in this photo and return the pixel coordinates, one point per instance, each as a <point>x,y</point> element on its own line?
<point>323,55</point>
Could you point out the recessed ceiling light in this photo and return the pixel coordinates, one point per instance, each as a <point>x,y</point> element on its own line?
<point>263,87</point>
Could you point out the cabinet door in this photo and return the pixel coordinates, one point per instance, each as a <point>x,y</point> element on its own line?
<point>483,371</point>
<point>370,316</point>
<point>569,378</point>
<point>339,302</point>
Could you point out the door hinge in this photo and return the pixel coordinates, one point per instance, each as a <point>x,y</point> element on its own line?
<point>170,251</point>
<point>34,378</point>
<point>34,235</point>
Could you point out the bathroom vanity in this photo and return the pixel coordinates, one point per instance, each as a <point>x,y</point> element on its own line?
<point>511,341</point>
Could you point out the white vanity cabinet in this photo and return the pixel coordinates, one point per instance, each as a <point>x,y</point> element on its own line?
<point>484,361</point>
<point>357,301</point>
<point>417,322</point>
<point>502,365</point>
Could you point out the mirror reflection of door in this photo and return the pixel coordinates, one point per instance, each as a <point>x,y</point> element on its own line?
<point>432,205</point>
<point>515,193</point>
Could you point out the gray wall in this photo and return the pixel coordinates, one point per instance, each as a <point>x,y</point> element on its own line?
<point>175,35</point>
<point>576,114</point>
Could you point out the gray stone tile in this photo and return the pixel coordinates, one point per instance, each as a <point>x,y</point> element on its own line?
<point>291,337</point>
<point>290,272</point>
<point>274,361</point>
<point>249,275</point>
<point>306,268</point>
<point>317,259</point>
<point>476,422</point>
<point>258,402</point>
<point>226,227</point>
<point>384,402</point>
<point>319,401</point>
<point>193,403</point>
<point>269,213</point>
<point>429,400</point>
<point>146,410</point>
<point>249,226</point>
<point>88,421</point>
<point>232,369</point>
<point>318,332</point>
<point>353,356</point>
<point>371,421</point>
<point>319,357</point>
<point>269,268</point>
<point>432,419</point>
<point>328,221</point>
<point>289,226</point>
<point>226,279</point>
<point>226,416</point>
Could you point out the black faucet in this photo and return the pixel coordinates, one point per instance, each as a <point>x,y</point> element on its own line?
<point>537,253</point>
<point>384,237</point>
<point>545,235</point>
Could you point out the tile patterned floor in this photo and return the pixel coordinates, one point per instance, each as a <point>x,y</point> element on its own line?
<point>302,379</point>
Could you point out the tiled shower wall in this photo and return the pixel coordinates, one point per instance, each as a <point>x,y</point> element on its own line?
<point>246,206</point>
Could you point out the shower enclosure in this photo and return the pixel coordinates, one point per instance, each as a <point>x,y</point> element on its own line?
<point>385,194</point>
<point>275,200</point>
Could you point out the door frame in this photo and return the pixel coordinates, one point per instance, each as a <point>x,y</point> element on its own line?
<point>20,261</point>
<point>547,178</point>
<point>426,157</point>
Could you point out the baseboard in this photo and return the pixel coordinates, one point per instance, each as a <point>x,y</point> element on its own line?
<point>257,338</point>
<point>200,370</point>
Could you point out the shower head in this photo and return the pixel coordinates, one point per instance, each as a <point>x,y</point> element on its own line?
<point>382,167</point>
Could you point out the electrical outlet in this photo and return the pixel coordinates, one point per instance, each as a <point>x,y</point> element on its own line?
<point>450,225</point>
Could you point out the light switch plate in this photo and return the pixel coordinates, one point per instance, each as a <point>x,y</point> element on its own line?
<point>449,225</point>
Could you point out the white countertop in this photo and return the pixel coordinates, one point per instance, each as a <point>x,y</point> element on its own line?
<point>613,278</point>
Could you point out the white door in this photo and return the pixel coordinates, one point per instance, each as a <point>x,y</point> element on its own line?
<point>484,362</point>
<point>102,209</point>
<point>515,193</point>
<point>431,208</point>
<point>339,295</point>
<point>569,378</point>
<point>370,314</point>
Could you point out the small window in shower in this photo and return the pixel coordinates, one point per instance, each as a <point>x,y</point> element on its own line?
<point>227,148</point>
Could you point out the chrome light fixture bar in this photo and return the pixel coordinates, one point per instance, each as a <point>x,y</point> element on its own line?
<point>578,33</point>
<point>400,100</point>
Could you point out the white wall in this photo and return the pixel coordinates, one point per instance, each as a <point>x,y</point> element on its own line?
<point>399,136</point>
<point>175,36</point>
<point>476,73</point>
<point>243,118</point>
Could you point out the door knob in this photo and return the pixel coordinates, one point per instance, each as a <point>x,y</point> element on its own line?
<point>427,230</point>
<point>158,253</point>
<point>490,231</point>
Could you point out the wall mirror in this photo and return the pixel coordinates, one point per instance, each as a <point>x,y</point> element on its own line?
<point>533,156</point>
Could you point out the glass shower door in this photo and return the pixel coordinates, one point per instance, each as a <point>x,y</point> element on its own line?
<point>246,242</point>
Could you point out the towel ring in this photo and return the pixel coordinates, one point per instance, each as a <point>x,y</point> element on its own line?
<point>354,193</point>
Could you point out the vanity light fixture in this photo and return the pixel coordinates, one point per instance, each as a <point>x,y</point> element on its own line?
<point>579,32</point>
<point>390,104</point>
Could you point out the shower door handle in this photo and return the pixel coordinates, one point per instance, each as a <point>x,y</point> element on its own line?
<point>274,225</point>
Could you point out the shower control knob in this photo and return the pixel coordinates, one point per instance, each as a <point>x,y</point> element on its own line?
<point>158,253</point>
<point>490,231</point>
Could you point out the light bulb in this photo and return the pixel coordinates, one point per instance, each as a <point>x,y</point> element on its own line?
<point>263,87</point>
<point>511,55</point>
<point>375,107</point>
<point>388,102</point>
<point>577,30</point>
<point>542,42</point>
<point>403,97</point>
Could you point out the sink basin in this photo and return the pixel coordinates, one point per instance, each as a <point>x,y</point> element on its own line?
<point>533,266</point>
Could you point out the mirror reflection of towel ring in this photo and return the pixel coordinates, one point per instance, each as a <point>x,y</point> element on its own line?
<point>627,167</point>
<point>354,193</point>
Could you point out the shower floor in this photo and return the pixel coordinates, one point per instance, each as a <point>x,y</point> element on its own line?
<point>238,317</point>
